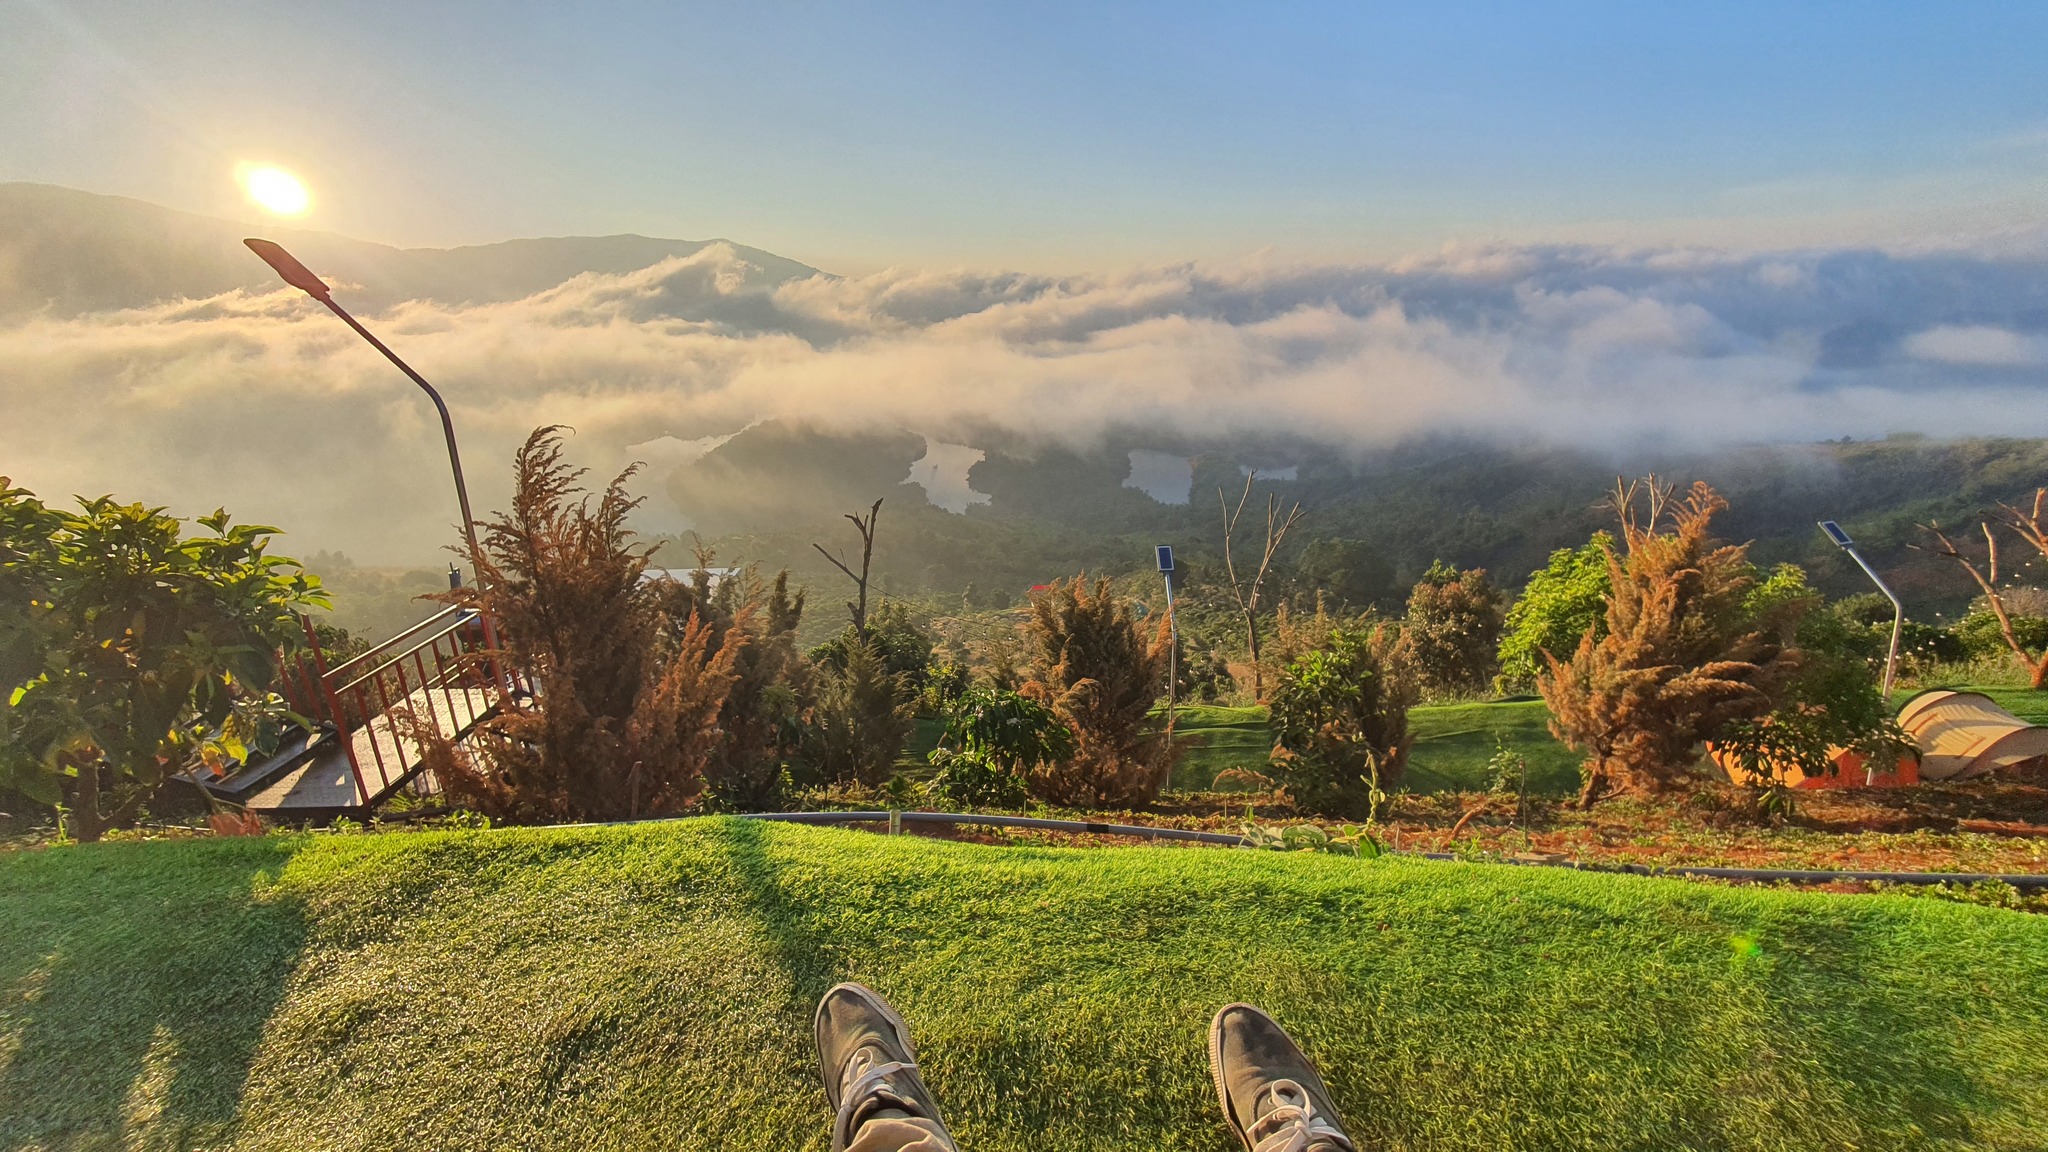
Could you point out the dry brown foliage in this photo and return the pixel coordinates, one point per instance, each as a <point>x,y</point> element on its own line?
<point>760,724</point>
<point>624,714</point>
<point>1680,658</point>
<point>1090,665</point>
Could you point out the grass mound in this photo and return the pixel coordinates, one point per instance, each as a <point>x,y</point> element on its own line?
<point>650,987</point>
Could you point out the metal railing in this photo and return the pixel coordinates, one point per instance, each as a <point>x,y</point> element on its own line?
<point>436,679</point>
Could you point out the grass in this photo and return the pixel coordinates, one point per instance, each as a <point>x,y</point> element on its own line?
<point>2024,703</point>
<point>1452,745</point>
<point>1452,742</point>
<point>650,987</point>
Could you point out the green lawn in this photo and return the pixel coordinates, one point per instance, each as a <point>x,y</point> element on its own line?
<point>1452,745</point>
<point>650,987</point>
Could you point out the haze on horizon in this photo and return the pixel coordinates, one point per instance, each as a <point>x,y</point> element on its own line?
<point>1055,137</point>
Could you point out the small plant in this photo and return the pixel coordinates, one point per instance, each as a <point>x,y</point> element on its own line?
<point>1985,893</point>
<point>1776,802</point>
<point>1507,775</point>
<point>992,739</point>
<point>1340,721</point>
<point>899,791</point>
<point>1349,840</point>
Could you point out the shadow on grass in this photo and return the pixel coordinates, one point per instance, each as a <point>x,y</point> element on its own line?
<point>135,997</point>
<point>797,949</point>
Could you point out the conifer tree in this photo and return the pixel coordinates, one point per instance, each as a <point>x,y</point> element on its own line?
<point>1092,667</point>
<point>624,718</point>
<point>1681,656</point>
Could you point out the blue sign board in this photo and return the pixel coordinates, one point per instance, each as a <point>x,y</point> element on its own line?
<point>1165,557</point>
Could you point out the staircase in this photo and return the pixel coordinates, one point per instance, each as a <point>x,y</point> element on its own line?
<point>370,715</point>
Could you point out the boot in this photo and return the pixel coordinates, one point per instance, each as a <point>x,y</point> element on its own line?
<point>1271,1095</point>
<point>870,1071</point>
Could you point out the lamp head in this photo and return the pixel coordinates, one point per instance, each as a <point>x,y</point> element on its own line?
<point>287,266</point>
<point>1836,534</point>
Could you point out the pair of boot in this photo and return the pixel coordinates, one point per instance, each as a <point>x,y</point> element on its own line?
<point>1272,1097</point>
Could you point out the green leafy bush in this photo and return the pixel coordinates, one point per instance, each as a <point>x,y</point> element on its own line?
<point>992,739</point>
<point>1340,722</point>
<point>1832,701</point>
<point>1452,630</point>
<point>1979,636</point>
<point>129,650</point>
<point>1563,601</point>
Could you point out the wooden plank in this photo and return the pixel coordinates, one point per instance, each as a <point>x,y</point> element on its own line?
<point>326,782</point>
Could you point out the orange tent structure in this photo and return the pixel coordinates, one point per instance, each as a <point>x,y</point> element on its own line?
<point>1965,734</point>
<point>1958,734</point>
<point>1850,772</point>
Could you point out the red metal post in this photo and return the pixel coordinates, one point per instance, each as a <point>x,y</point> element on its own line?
<point>338,717</point>
<point>384,710</point>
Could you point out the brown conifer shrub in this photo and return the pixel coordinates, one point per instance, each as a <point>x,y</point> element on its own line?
<point>1681,657</point>
<point>1093,668</point>
<point>624,716</point>
<point>758,757</point>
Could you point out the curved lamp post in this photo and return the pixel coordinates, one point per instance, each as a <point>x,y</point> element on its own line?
<point>1891,660</point>
<point>299,276</point>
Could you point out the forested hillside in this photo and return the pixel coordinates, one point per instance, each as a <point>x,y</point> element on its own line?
<point>1373,522</point>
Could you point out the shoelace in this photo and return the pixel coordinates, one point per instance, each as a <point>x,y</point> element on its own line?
<point>869,1090</point>
<point>1294,1125</point>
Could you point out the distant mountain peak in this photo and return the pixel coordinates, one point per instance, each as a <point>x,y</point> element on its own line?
<point>68,252</point>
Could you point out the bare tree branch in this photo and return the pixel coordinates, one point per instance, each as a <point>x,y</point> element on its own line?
<point>858,608</point>
<point>1248,594</point>
<point>1987,582</point>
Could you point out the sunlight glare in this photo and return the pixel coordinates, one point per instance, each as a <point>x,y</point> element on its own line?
<point>275,190</point>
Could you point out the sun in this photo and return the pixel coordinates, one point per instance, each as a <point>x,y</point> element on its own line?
<point>275,190</point>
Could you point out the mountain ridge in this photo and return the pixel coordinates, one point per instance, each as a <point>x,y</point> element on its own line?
<point>66,252</point>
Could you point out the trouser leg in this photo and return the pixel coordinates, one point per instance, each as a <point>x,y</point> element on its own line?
<point>900,1134</point>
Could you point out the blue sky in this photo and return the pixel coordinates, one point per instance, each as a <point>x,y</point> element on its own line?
<point>1055,136</point>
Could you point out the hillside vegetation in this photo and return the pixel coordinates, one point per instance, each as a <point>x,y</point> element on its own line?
<point>1375,520</point>
<point>650,987</point>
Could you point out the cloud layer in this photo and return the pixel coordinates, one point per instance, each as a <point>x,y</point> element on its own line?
<point>263,403</point>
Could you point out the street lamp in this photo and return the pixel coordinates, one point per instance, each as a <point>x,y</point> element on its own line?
<point>1842,541</point>
<point>299,276</point>
<point>1164,554</point>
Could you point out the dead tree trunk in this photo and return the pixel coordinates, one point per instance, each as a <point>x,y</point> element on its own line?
<point>1247,592</point>
<point>858,607</point>
<point>2029,527</point>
